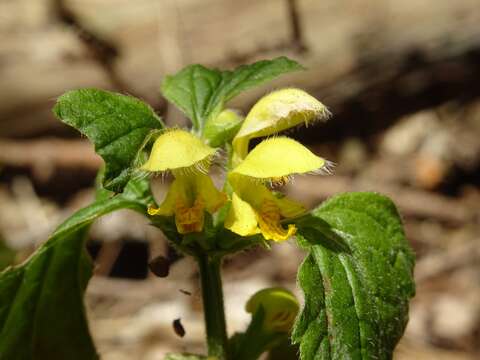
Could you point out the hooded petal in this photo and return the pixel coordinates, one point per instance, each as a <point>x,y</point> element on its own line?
<point>177,149</point>
<point>275,112</point>
<point>277,158</point>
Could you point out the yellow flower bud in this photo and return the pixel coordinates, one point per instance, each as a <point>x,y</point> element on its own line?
<point>222,128</point>
<point>280,307</point>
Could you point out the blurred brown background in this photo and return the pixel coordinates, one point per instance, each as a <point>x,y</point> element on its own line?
<point>401,78</point>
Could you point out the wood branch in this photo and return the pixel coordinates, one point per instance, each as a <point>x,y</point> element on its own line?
<point>49,153</point>
<point>437,264</point>
<point>351,49</point>
<point>107,256</point>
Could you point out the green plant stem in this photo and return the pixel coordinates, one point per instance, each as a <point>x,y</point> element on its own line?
<point>214,311</point>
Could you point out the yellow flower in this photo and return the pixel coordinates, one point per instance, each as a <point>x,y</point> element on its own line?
<point>279,305</point>
<point>192,192</point>
<point>255,208</point>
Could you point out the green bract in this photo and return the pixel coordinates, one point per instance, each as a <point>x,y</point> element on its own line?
<point>357,275</point>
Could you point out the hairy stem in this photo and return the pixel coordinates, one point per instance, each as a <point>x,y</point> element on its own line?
<point>214,312</point>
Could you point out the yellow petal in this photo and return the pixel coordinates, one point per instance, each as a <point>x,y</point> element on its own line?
<point>188,197</point>
<point>256,209</point>
<point>241,218</point>
<point>269,222</point>
<point>256,193</point>
<point>250,191</point>
<point>177,192</point>
<point>275,112</point>
<point>210,195</point>
<point>276,158</point>
<point>289,208</point>
<point>177,149</point>
<point>280,307</point>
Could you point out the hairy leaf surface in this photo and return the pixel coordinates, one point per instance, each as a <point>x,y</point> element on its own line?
<point>42,314</point>
<point>117,124</point>
<point>201,92</point>
<point>356,301</point>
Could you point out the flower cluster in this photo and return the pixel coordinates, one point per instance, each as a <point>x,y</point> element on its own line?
<point>252,206</point>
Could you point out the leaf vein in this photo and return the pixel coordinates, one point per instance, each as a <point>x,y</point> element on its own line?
<point>344,261</point>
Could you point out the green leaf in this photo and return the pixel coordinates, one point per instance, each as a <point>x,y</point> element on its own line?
<point>7,255</point>
<point>316,231</point>
<point>42,315</point>
<point>356,302</point>
<point>201,92</point>
<point>185,357</point>
<point>117,125</point>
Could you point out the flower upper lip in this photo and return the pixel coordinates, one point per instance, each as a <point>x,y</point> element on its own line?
<point>276,112</point>
<point>278,158</point>
<point>178,149</point>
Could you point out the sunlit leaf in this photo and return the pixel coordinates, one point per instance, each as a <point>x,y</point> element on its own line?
<point>117,124</point>
<point>356,301</point>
